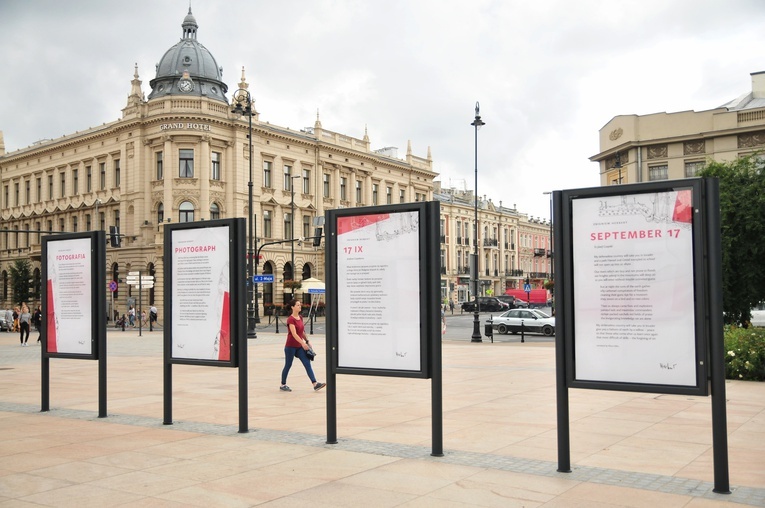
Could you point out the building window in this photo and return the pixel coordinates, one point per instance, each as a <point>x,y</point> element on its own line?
<point>27,191</point>
<point>16,194</point>
<point>326,185</point>
<point>75,182</point>
<point>102,172</point>
<point>186,212</point>
<point>88,224</point>
<point>306,226</point>
<point>117,218</point>
<point>375,188</point>
<point>692,168</point>
<point>306,181</point>
<point>160,213</point>
<point>89,177</point>
<point>74,224</point>
<point>657,172</point>
<point>101,220</point>
<point>50,186</point>
<point>116,172</point>
<point>214,212</point>
<point>287,178</point>
<point>288,231</point>
<point>61,224</point>
<point>267,174</point>
<point>401,195</point>
<point>39,190</point>
<point>267,224</point>
<point>62,191</point>
<point>159,165</point>
<point>343,188</point>
<point>389,195</point>
<point>7,203</point>
<point>186,167</point>
<point>215,166</point>
<point>358,191</point>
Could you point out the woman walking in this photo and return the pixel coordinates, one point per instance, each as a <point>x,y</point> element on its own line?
<point>25,319</point>
<point>296,346</point>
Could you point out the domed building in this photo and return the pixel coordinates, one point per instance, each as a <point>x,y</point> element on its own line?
<point>184,155</point>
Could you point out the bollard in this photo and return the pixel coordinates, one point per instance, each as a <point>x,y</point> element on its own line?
<point>522,328</point>
<point>488,329</point>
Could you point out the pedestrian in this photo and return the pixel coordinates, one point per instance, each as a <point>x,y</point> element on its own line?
<point>296,346</point>
<point>152,317</point>
<point>16,313</point>
<point>451,305</point>
<point>143,318</point>
<point>37,320</point>
<point>25,318</point>
<point>9,319</point>
<point>131,316</point>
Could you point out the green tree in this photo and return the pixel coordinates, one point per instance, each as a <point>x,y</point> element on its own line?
<point>21,275</point>
<point>742,214</point>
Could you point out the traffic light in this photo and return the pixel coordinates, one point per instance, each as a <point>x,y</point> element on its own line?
<point>114,236</point>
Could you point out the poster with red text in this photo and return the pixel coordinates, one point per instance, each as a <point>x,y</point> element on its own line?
<point>378,296</point>
<point>634,288</point>
<point>68,309</point>
<point>201,318</point>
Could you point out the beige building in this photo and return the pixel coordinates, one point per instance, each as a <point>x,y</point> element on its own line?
<point>664,146</point>
<point>182,155</point>
<point>511,246</point>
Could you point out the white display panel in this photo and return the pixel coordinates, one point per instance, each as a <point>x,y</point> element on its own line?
<point>201,318</point>
<point>378,291</point>
<point>634,288</point>
<point>69,310</point>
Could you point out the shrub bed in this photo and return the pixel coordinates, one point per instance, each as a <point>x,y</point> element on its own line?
<point>745,353</point>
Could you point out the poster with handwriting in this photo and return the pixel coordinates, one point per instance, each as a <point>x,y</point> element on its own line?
<point>378,291</point>
<point>201,318</point>
<point>69,310</point>
<point>634,288</point>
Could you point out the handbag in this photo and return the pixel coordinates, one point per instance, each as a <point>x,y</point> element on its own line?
<point>310,353</point>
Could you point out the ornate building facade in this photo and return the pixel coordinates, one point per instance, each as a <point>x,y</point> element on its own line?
<point>512,247</point>
<point>663,146</point>
<point>183,155</point>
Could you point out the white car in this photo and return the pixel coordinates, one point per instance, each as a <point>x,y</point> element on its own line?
<point>758,316</point>
<point>532,320</point>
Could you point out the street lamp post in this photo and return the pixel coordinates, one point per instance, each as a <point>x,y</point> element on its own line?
<point>476,337</point>
<point>552,274</point>
<point>243,106</point>
<point>292,232</point>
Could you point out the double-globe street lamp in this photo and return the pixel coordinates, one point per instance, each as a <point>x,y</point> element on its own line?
<point>476,337</point>
<point>243,106</point>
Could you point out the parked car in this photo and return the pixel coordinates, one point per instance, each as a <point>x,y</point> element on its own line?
<point>758,315</point>
<point>486,304</point>
<point>4,327</point>
<point>532,320</point>
<point>513,302</point>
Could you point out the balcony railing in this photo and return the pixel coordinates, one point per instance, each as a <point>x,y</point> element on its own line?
<point>490,242</point>
<point>539,275</point>
<point>539,252</point>
<point>515,273</point>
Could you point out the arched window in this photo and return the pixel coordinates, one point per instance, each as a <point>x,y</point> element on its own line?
<point>160,213</point>
<point>186,212</point>
<point>214,211</point>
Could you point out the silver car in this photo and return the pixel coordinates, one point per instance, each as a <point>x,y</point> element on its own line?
<point>532,320</point>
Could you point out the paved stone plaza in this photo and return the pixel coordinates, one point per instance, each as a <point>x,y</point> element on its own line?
<point>627,449</point>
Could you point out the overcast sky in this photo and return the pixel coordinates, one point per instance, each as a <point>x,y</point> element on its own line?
<point>547,73</point>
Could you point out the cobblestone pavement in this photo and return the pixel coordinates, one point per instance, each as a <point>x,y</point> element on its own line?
<point>627,449</point>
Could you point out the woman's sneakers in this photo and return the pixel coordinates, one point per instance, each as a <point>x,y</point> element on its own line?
<point>319,386</point>
<point>285,388</point>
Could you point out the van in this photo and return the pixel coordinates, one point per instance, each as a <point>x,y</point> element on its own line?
<point>535,298</point>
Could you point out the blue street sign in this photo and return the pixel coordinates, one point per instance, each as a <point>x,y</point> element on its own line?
<point>267,278</point>
<point>527,288</point>
<point>316,291</point>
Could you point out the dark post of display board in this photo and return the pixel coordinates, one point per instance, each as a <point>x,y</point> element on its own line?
<point>639,304</point>
<point>383,300</point>
<point>74,305</point>
<point>205,317</point>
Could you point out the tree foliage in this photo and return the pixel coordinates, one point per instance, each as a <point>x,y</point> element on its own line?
<point>742,214</point>
<point>21,274</point>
